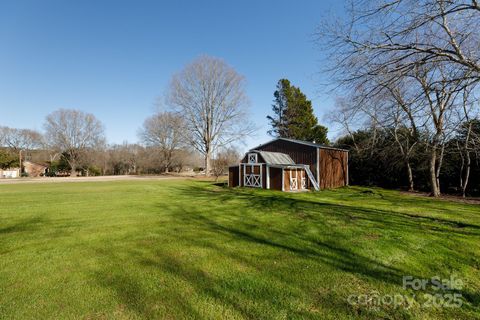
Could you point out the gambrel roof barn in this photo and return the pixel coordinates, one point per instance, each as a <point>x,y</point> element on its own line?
<point>291,165</point>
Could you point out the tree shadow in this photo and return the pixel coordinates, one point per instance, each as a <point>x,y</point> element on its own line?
<point>275,200</point>
<point>230,234</point>
<point>26,225</point>
<point>330,252</point>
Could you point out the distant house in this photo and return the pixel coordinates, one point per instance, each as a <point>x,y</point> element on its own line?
<point>34,169</point>
<point>291,165</point>
<point>9,173</point>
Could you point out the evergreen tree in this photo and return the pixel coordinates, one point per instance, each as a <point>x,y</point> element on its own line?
<point>278,121</point>
<point>293,115</point>
<point>7,159</point>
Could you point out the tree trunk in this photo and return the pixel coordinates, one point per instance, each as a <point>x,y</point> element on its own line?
<point>410,176</point>
<point>73,170</point>
<point>207,163</point>
<point>435,190</point>
<point>467,175</point>
<point>439,166</point>
<point>469,161</point>
<point>462,166</point>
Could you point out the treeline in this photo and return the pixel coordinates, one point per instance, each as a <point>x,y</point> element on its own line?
<point>19,145</point>
<point>375,160</point>
<point>124,159</point>
<point>409,89</point>
<point>206,113</point>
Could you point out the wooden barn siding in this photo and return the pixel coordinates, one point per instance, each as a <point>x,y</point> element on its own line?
<point>241,175</point>
<point>301,154</point>
<point>233,173</point>
<point>286,179</point>
<point>276,178</point>
<point>333,168</point>
<point>264,176</point>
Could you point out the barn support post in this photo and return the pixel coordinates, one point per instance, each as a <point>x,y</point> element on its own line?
<point>268,175</point>
<point>261,177</point>
<point>348,183</point>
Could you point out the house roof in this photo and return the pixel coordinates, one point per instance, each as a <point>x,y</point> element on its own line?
<point>36,163</point>
<point>275,157</point>
<point>307,143</point>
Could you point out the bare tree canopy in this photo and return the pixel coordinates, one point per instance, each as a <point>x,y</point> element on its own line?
<point>397,35</point>
<point>73,132</point>
<point>223,159</point>
<point>163,130</point>
<point>20,139</point>
<point>403,65</point>
<point>210,96</point>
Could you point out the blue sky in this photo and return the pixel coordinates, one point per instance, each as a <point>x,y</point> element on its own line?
<point>115,58</point>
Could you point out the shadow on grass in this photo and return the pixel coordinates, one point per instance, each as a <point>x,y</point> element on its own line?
<point>26,225</point>
<point>239,225</point>
<point>274,200</point>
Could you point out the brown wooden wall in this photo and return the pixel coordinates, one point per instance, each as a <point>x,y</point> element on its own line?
<point>275,178</point>
<point>291,172</point>
<point>241,176</point>
<point>333,168</point>
<point>300,154</point>
<point>233,174</point>
<point>264,176</point>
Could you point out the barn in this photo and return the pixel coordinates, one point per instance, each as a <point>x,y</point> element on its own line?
<point>291,165</point>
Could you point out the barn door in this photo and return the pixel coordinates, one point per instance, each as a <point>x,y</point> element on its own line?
<point>293,180</point>
<point>303,180</point>
<point>252,175</point>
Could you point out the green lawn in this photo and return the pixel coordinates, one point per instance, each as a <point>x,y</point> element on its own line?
<point>188,249</point>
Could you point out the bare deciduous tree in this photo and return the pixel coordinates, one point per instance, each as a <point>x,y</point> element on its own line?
<point>396,35</point>
<point>429,45</point>
<point>73,132</point>
<point>223,159</point>
<point>20,139</point>
<point>210,96</point>
<point>164,131</point>
<point>467,141</point>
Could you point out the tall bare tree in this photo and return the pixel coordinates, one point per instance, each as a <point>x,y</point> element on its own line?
<point>430,44</point>
<point>74,132</point>
<point>210,96</point>
<point>468,140</point>
<point>20,139</point>
<point>223,159</point>
<point>164,131</point>
<point>407,32</point>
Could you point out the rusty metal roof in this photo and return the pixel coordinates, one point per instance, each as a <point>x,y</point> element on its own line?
<point>275,157</point>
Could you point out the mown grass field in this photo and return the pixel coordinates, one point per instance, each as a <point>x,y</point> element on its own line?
<point>190,249</point>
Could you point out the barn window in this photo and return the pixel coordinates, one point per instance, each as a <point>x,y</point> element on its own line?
<point>252,158</point>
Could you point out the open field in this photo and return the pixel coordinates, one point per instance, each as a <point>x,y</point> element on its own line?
<point>190,249</point>
<point>88,179</point>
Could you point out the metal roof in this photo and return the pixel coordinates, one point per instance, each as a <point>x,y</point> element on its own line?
<point>307,143</point>
<point>275,157</point>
